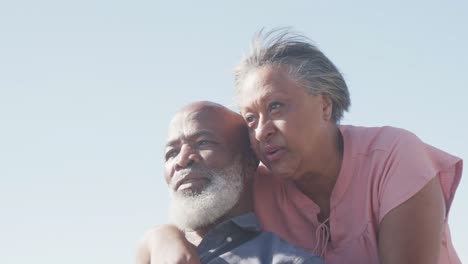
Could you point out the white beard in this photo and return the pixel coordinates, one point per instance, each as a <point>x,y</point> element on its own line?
<point>191,211</point>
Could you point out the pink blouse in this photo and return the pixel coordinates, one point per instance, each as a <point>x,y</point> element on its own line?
<point>382,168</point>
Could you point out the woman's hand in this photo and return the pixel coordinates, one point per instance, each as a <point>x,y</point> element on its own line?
<point>166,244</point>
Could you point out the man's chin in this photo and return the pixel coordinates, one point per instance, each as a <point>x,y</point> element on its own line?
<point>195,215</point>
<point>191,226</point>
<point>197,208</point>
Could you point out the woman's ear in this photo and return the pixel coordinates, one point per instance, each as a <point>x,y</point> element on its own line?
<point>327,107</point>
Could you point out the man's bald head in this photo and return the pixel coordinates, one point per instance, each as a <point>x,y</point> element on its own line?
<point>217,117</point>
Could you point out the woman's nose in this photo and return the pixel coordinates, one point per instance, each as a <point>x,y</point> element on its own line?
<point>264,130</point>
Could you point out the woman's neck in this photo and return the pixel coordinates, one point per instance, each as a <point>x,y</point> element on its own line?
<point>318,183</point>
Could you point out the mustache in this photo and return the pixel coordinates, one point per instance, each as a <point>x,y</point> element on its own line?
<point>181,174</point>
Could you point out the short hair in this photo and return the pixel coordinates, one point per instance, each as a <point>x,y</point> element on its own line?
<point>305,63</point>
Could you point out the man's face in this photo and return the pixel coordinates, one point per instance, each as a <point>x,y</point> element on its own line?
<point>202,168</point>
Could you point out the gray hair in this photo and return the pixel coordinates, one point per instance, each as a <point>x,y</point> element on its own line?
<point>306,64</point>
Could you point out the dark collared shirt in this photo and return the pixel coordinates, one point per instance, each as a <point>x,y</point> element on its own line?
<point>241,240</point>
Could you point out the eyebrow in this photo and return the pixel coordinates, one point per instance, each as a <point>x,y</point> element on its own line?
<point>197,134</point>
<point>262,98</point>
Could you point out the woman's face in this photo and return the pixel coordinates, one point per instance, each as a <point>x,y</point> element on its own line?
<point>287,126</point>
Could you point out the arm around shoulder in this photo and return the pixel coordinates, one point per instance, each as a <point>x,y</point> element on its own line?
<point>166,244</point>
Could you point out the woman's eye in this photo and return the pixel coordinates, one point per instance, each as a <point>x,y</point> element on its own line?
<point>249,119</point>
<point>205,142</point>
<point>274,105</point>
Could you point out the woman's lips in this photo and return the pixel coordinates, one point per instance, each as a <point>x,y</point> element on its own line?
<point>273,153</point>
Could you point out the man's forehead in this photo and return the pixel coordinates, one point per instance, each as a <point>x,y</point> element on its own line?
<point>195,123</point>
<point>188,135</point>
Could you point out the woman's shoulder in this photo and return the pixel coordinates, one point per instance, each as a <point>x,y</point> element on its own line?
<point>375,132</point>
<point>367,139</point>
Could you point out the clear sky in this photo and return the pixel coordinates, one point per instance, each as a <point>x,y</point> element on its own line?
<point>87,89</point>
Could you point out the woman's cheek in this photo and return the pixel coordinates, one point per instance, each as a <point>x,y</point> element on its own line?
<point>254,145</point>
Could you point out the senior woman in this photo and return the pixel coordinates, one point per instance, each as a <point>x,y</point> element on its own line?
<point>350,194</point>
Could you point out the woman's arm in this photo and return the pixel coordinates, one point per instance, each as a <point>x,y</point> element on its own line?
<point>412,232</point>
<point>166,244</point>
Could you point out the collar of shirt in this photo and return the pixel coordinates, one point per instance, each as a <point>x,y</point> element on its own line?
<point>247,221</point>
<point>229,234</point>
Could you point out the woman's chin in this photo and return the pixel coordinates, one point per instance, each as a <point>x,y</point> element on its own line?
<point>278,169</point>
<point>282,172</point>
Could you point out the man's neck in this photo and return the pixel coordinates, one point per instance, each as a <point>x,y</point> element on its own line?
<point>195,237</point>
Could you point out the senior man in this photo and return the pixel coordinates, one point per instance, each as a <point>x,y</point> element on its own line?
<point>209,168</point>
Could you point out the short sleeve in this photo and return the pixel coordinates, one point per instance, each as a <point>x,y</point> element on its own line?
<point>409,166</point>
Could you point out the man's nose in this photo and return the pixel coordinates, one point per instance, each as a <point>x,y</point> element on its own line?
<point>264,130</point>
<point>187,156</point>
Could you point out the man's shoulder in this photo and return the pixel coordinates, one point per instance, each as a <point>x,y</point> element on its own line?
<point>267,247</point>
<point>257,246</point>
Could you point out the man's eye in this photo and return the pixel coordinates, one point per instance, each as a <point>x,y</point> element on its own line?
<point>171,154</point>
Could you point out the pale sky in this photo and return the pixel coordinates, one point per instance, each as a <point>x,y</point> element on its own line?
<point>87,89</point>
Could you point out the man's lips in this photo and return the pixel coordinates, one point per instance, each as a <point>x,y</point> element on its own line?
<point>273,152</point>
<point>190,181</point>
